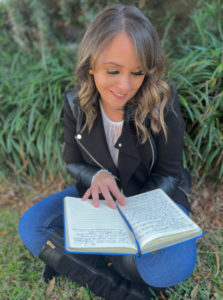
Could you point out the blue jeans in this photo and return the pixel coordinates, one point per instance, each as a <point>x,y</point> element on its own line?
<point>164,268</point>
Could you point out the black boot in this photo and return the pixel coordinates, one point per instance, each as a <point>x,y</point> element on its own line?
<point>48,273</point>
<point>91,270</point>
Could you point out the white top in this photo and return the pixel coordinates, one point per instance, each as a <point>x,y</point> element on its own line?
<point>113,131</point>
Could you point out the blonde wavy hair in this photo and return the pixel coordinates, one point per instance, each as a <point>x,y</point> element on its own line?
<point>154,92</point>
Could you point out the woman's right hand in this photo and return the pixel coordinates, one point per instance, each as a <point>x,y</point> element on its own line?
<point>105,184</point>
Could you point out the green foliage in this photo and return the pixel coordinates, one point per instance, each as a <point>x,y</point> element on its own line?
<point>31,105</point>
<point>197,69</point>
<point>40,24</point>
<point>37,57</point>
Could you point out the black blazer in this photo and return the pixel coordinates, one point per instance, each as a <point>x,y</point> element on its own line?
<point>88,152</point>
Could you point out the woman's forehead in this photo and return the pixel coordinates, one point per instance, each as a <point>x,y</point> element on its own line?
<point>119,52</point>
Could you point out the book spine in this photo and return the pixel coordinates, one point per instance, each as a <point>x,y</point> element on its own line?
<point>132,231</point>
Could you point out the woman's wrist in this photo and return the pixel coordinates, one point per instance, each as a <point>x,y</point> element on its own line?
<point>98,172</point>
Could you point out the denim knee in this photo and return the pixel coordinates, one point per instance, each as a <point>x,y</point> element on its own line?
<point>31,234</point>
<point>170,266</point>
<point>40,220</point>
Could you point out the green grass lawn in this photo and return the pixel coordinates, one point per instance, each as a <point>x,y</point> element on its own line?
<point>20,273</point>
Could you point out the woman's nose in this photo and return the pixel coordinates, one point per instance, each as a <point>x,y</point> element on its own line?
<point>124,84</point>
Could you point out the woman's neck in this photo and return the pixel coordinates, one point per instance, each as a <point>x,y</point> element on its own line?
<point>115,115</point>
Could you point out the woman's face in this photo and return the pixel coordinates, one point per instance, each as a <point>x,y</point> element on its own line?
<point>118,75</point>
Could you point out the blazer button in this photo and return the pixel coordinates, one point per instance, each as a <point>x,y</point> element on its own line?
<point>79,136</point>
<point>120,145</point>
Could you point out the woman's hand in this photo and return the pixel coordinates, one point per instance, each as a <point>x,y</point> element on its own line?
<point>104,183</point>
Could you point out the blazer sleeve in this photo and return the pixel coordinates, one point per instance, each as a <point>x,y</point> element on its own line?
<point>72,152</point>
<point>169,153</point>
<point>167,170</point>
<point>76,166</point>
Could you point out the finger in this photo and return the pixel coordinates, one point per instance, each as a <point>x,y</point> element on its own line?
<point>87,194</point>
<point>95,196</point>
<point>118,195</point>
<point>106,193</point>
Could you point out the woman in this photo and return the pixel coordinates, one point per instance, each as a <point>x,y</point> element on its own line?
<point>123,134</point>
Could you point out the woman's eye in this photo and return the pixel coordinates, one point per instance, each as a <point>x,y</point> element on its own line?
<point>112,72</point>
<point>140,73</point>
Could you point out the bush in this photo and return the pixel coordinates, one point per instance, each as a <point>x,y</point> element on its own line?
<point>37,67</point>
<point>37,24</point>
<point>197,69</point>
<point>30,116</point>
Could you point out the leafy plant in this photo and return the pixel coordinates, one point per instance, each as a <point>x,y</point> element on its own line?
<point>37,65</point>
<point>31,109</point>
<point>197,70</point>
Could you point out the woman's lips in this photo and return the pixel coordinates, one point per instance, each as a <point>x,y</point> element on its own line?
<point>119,96</point>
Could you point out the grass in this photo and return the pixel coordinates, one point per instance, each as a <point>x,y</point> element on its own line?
<point>20,274</point>
<point>20,271</point>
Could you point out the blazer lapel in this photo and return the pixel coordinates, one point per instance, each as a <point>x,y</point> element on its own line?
<point>95,143</point>
<point>129,156</point>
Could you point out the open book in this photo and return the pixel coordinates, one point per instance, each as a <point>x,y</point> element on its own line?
<point>148,222</point>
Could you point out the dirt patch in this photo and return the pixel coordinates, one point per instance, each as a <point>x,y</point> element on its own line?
<point>22,196</point>
<point>207,206</point>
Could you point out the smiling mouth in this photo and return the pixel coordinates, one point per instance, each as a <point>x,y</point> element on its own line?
<point>119,95</point>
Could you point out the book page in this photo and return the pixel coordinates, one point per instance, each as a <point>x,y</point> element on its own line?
<point>154,214</point>
<point>91,227</point>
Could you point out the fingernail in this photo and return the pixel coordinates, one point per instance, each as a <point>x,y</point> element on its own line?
<point>123,202</point>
